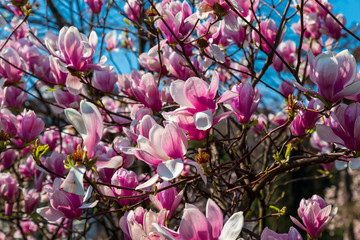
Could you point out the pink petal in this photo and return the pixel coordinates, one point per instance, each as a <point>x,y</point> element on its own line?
<point>215,218</point>
<point>193,225</point>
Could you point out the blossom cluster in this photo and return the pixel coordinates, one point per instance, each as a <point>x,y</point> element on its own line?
<point>192,129</point>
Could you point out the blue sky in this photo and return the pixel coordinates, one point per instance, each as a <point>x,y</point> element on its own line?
<point>350,9</point>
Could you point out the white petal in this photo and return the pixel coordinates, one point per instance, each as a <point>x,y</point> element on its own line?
<point>217,53</point>
<point>88,193</point>
<point>203,120</point>
<point>232,227</point>
<point>76,120</point>
<point>89,205</point>
<point>170,169</point>
<point>73,183</point>
<point>148,183</point>
<point>340,165</point>
<point>354,163</point>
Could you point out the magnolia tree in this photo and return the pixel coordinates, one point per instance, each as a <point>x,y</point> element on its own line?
<point>235,119</point>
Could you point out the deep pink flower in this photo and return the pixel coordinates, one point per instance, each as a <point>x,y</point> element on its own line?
<point>15,97</point>
<point>164,148</point>
<point>30,126</point>
<point>8,158</point>
<point>306,119</point>
<point>105,80</point>
<point>7,71</point>
<point>133,9</point>
<point>343,127</point>
<point>286,88</point>
<point>331,27</point>
<point>76,51</point>
<point>147,92</point>
<point>95,5</point>
<point>168,199</point>
<point>315,216</point>
<point>242,99</point>
<point>62,204</point>
<point>31,199</point>
<point>124,178</point>
<point>287,51</point>
<point>268,30</point>
<point>334,74</point>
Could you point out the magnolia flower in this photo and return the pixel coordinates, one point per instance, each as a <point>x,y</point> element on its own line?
<point>138,224</point>
<point>196,100</point>
<point>343,127</point>
<point>334,74</point>
<point>315,215</point>
<point>88,123</point>
<point>242,99</point>
<point>64,204</point>
<point>164,148</point>
<point>168,199</point>
<point>194,225</point>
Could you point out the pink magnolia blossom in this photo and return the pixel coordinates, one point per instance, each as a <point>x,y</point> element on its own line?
<point>242,99</point>
<point>268,30</point>
<point>331,27</point>
<point>66,100</point>
<point>286,88</point>
<point>88,123</point>
<point>179,19</point>
<point>31,199</point>
<point>58,74</point>
<point>64,204</point>
<point>50,137</point>
<point>7,71</point>
<point>315,216</point>
<point>287,51</point>
<point>334,74</point>
<point>8,191</point>
<point>268,234</point>
<point>124,178</point>
<point>168,199</point>
<point>147,92</point>
<point>95,5</point>
<point>30,126</point>
<point>105,80</point>
<point>111,39</point>
<point>164,148</point>
<point>312,24</point>
<point>75,50</point>
<point>194,225</point>
<point>196,100</point>
<point>138,224</point>
<point>8,122</point>
<point>306,119</point>
<point>14,96</point>
<point>133,9</point>
<point>343,127</point>
<point>7,157</point>
<point>55,163</point>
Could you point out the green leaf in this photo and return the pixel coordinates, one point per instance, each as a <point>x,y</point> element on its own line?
<point>39,151</point>
<point>127,21</point>
<point>288,151</point>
